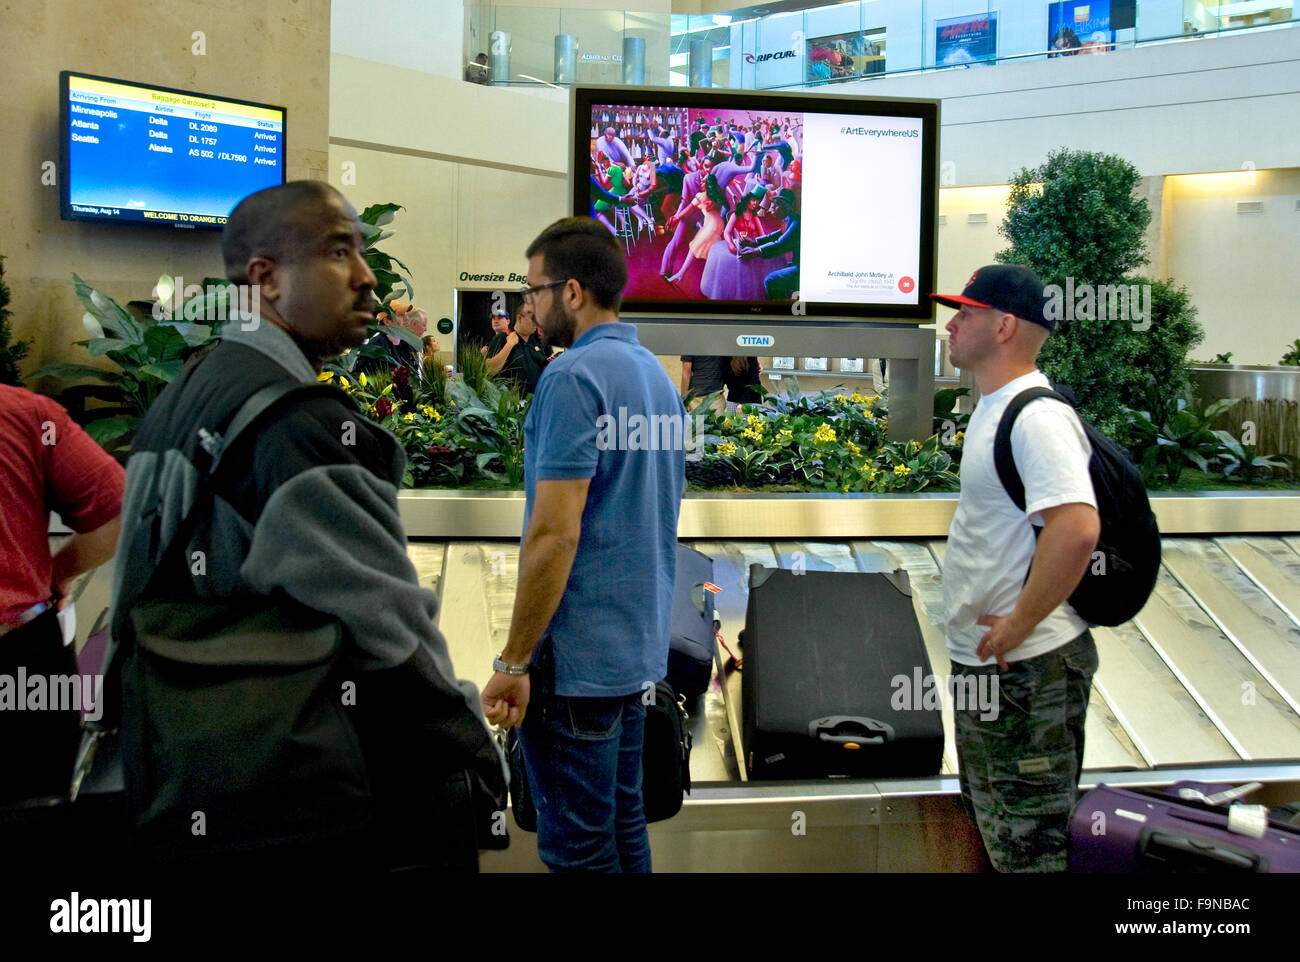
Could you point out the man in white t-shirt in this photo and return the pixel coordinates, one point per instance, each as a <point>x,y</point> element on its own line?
<point>1005,590</point>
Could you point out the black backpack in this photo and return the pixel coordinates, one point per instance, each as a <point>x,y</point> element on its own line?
<point>1116,585</point>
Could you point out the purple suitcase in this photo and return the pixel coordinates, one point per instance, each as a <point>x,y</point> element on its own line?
<point>1141,831</point>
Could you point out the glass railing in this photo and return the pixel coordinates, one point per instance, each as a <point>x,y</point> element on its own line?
<point>544,45</point>
<point>828,44</point>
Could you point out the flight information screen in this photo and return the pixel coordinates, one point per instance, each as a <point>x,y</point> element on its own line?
<point>152,155</point>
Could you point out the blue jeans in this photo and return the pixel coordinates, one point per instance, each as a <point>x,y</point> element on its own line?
<point>583,757</point>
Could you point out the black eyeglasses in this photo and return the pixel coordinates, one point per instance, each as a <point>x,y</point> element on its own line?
<point>527,292</point>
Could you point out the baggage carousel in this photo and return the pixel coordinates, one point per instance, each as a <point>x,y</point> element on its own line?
<point>1204,684</point>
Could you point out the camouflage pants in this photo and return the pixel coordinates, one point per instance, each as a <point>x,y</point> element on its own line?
<point>1020,769</point>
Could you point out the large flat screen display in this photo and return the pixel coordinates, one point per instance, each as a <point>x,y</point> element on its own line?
<point>731,203</point>
<point>144,154</point>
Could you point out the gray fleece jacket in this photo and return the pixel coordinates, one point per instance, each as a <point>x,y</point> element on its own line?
<point>307,507</point>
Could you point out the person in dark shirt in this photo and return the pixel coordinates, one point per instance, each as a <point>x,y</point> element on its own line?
<point>500,328</point>
<point>741,376</point>
<point>528,353</point>
<point>701,374</point>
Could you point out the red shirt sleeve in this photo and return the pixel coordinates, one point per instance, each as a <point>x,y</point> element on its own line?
<point>82,482</point>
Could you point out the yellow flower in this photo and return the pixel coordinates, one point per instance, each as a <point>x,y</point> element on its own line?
<point>726,449</point>
<point>958,437</point>
<point>867,469</point>
<point>436,416</point>
<point>783,435</point>
<point>841,398</point>
<point>853,449</point>
<point>409,416</point>
<point>824,434</point>
<point>325,376</point>
<point>756,423</point>
<point>361,379</point>
<point>845,489</point>
<point>902,470</point>
<point>913,446</point>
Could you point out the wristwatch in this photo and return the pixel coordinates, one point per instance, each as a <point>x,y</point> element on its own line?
<point>509,669</point>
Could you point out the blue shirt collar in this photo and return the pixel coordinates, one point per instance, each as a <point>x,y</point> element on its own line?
<point>615,329</point>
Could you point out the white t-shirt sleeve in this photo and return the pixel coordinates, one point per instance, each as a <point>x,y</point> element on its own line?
<point>1052,454</point>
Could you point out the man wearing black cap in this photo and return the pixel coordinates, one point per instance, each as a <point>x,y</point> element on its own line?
<point>1009,627</point>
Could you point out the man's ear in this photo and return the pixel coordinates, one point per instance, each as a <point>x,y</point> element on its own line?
<point>1008,326</point>
<point>574,296</point>
<point>261,272</point>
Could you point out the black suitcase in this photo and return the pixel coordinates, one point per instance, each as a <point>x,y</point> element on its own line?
<point>830,661</point>
<point>691,645</point>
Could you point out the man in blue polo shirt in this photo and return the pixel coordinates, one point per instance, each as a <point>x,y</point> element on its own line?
<point>589,635</point>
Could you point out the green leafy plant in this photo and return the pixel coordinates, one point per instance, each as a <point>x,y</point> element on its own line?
<point>148,352</point>
<point>914,466</point>
<point>1158,355</point>
<point>473,367</point>
<point>11,351</point>
<point>827,441</point>
<point>489,426</point>
<point>392,283</point>
<point>1292,356</point>
<point>949,424</point>
<point>1077,216</point>
<point>1239,461</point>
<point>1166,436</point>
<point>1224,358</point>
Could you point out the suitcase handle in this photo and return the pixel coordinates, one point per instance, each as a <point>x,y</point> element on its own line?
<point>1182,853</point>
<point>850,730</point>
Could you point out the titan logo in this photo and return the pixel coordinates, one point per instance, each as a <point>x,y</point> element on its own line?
<point>755,340</point>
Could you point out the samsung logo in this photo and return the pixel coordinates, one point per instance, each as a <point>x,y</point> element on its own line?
<point>756,340</point>
<point>764,57</point>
